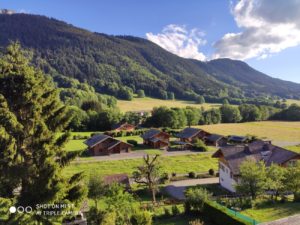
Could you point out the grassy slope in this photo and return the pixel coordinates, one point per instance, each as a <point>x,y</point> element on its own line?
<point>273,130</point>
<point>179,164</point>
<point>273,212</point>
<point>147,104</point>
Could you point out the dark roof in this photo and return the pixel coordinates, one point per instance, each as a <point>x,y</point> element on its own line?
<point>214,137</point>
<point>154,139</point>
<point>113,143</point>
<point>182,143</point>
<point>117,178</point>
<point>96,139</point>
<point>235,138</point>
<point>188,132</point>
<point>258,151</point>
<point>150,133</point>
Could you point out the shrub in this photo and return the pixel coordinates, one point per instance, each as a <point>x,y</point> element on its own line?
<point>175,210</point>
<point>167,212</point>
<point>211,172</point>
<point>133,142</point>
<point>196,197</point>
<point>200,146</point>
<point>174,174</point>
<point>165,178</point>
<point>192,175</point>
<point>196,222</point>
<point>141,218</point>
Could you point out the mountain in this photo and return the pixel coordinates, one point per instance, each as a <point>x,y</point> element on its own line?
<point>114,64</point>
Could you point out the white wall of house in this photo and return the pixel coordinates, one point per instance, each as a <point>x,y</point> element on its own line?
<point>226,178</point>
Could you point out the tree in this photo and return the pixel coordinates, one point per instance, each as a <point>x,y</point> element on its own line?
<point>171,95</point>
<point>199,145</point>
<point>275,179</point>
<point>225,101</point>
<point>193,116</point>
<point>252,178</point>
<point>249,112</point>
<point>96,188</point>
<point>32,155</point>
<point>230,114</point>
<point>149,174</point>
<point>292,180</point>
<point>200,100</point>
<point>140,93</point>
<point>196,197</point>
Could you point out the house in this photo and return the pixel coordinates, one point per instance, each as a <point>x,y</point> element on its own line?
<point>123,126</point>
<point>215,140</point>
<point>105,145</point>
<point>122,179</point>
<point>156,139</point>
<point>232,156</point>
<point>237,139</point>
<point>191,134</point>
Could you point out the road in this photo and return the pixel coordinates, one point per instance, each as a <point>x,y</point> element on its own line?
<point>176,189</point>
<point>134,155</point>
<point>291,220</point>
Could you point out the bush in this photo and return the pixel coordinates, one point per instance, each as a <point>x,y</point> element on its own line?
<point>141,218</point>
<point>196,197</point>
<point>167,212</point>
<point>200,146</point>
<point>175,210</point>
<point>133,142</point>
<point>211,172</point>
<point>192,175</point>
<point>174,174</point>
<point>165,178</point>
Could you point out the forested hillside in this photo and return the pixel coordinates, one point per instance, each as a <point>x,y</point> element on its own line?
<point>120,65</point>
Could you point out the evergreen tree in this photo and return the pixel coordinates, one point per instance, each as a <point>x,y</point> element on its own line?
<point>32,156</point>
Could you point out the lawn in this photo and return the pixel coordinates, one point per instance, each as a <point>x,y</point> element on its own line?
<point>277,131</point>
<point>177,220</point>
<point>293,101</point>
<point>269,212</point>
<point>179,164</point>
<point>147,104</point>
<point>75,145</point>
<point>295,148</point>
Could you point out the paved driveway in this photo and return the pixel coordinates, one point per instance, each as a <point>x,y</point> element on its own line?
<point>292,220</point>
<point>176,189</point>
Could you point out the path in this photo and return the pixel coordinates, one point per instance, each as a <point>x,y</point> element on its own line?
<point>291,220</point>
<point>133,155</point>
<point>176,189</point>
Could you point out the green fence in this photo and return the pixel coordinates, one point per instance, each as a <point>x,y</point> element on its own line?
<point>239,215</point>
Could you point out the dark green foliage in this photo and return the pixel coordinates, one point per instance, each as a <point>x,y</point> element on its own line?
<point>171,95</point>
<point>212,116</point>
<point>111,64</point>
<point>211,172</point>
<point>140,93</point>
<point>175,210</point>
<point>292,113</point>
<point>200,100</point>
<point>192,175</point>
<point>249,112</point>
<point>230,114</point>
<point>32,156</point>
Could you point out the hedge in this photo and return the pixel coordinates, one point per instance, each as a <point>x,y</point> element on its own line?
<point>221,216</point>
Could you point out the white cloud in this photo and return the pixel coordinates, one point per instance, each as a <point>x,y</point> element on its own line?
<point>180,41</point>
<point>268,27</point>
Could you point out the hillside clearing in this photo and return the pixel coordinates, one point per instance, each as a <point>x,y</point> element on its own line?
<point>147,104</point>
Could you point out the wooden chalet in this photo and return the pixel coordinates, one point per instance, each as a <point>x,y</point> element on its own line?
<point>232,156</point>
<point>105,145</point>
<point>234,139</point>
<point>215,140</point>
<point>123,126</point>
<point>156,139</point>
<point>191,134</point>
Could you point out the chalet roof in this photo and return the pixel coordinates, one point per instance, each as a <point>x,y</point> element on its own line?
<point>96,139</point>
<point>188,132</point>
<point>258,151</point>
<point>154,139</point>
<point>150,133</point>
<point>182,143</point>
<point>214,137</point>
<point>236,138</point>
<point>113,144</point>
<point>121,124</point>
<point>117,178</point>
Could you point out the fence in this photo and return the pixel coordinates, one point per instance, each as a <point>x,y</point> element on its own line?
<point>238,215</point>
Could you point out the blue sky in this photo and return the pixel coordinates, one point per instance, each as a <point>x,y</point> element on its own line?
<point>201,29</point>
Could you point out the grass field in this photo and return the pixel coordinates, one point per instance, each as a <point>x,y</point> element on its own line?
<point>147,104</point>
<point>274,211</point>
<point>292,101</point>
<point>178,164</point>
<point>274,130</point>
<point>295,148</point>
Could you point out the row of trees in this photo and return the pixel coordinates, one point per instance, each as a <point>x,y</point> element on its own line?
<point>256,178</point>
